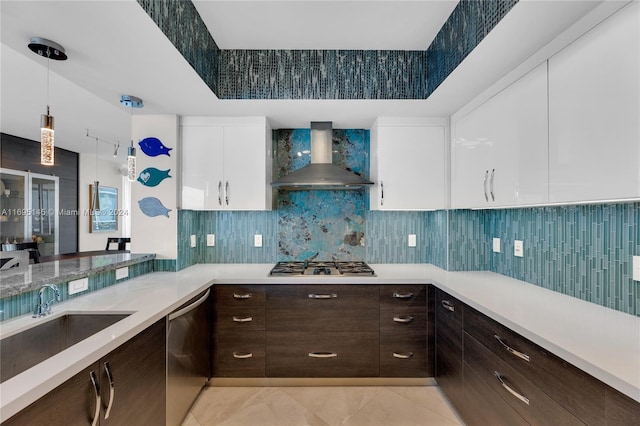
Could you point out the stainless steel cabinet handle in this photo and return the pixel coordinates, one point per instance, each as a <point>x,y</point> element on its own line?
<point>484,185</point>
<point>403,319</point>
<point>242,319</point>
<point>112,389</point>
<point>403,355</point>
<point>322,296</point>
<point>448,305</point>
<point>220,192</point>
<point>381,193</point>
<point>242,296</point>
<point>323,354</point>
<point>510,390</point>
<point>226,192</point>
<point>493,173</point>
<point>96,389</point>
<point>242,355</point>
<point>511,350</point>
<point>402,295</point>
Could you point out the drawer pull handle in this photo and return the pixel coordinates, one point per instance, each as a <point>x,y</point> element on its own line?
<point>510,390</point>
<point>448,305</point>
<point>511,350</point>
<point>323,354</point>
<point>242,355</point>
<point>402,295</point>
<point>322,296</point>
<point>403,355</point>
<point>242,296</point>
<point>403,319</point>
<point>242,319</point>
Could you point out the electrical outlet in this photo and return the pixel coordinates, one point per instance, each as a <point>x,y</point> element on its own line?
<point>496,245</point>
<point>518,248</point>
<point>257,240</point>
<point>78,285</point>
<point>211,240</point>
<point>193,241</point>
<point>636,268</point>
<point>412,240</point>
<point>122,273</point>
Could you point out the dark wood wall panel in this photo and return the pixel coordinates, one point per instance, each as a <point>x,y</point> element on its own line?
<point>23,154</point>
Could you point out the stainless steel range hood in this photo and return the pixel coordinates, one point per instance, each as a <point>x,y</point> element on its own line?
<point>321,173</point>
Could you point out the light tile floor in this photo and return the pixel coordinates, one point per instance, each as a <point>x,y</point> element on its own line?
<point>322,406</point>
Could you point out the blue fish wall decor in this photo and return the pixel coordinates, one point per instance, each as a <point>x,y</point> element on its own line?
<point>153,147</point>
<point>152,207</point>
<point>152,176</point>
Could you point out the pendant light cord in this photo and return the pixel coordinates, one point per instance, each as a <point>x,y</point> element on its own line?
<point>48,62</point>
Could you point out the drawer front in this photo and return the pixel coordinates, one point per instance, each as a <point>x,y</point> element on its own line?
<point>322,354</point>
<point>322,308</point>
<point>403,318</point>
<point>403,354</point>
<point>239,354</point>
<point>621,410</point>
<point>403,295</point>
<point>575,390</point>
<point>448,307</point>
<point>240,295</point>
<point>527,399</point>
<point>448,369</point>
<point>239,317</point>
<point>483,406</point>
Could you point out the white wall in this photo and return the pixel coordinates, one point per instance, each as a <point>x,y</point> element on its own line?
<point>156,234</point>
<point>108,175</point>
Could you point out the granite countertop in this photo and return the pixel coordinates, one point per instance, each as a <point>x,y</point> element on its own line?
<point>603,342</point>
<point>21,280</point>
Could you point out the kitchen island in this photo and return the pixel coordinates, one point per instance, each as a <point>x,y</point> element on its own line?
<point>604,343</point>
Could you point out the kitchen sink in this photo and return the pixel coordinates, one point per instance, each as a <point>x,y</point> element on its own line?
<point>23,350</point>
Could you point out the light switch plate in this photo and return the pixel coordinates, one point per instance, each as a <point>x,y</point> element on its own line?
<point>636,268</point>
<point>77,286</point>
<point>122,273</point>
<point>211,240</point>
<point>518,248</point>
<point>193,241</point>
<point>412,240</point>
<point>496,245</point>
<point>257,240</point>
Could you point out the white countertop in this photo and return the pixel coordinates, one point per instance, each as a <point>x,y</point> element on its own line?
<point>603,342</point>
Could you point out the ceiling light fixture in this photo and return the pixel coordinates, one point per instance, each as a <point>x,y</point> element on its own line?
<point>50,50</point>
<point>131,102</point>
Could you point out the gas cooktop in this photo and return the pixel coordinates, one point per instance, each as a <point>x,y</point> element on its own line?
<point>343,268</point>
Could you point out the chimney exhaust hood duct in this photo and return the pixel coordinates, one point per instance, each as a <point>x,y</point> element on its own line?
<point>321,173</point>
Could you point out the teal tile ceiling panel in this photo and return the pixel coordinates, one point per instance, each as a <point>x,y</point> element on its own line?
<point>325,74</point>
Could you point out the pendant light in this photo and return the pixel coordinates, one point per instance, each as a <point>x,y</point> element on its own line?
<point>50,50</point>
<point>131,102</point>
<point>96,184</point>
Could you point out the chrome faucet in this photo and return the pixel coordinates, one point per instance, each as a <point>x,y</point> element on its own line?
<point>44,308</point>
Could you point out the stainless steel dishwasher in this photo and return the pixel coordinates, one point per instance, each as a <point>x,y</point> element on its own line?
<point>188,349</point>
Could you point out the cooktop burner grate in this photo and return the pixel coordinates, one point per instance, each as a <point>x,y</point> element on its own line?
<point>292,268</point>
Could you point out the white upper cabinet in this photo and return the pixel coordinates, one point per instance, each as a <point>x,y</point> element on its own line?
<point>226,163</point>
<point>500,148</point>
<point>594,113</point>
<point>408,164</point>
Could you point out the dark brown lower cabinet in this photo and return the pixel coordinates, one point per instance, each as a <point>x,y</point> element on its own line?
<point>507,379</point>
<point>136,393</point>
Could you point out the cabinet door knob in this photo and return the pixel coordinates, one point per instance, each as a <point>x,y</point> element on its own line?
<point>511,390</point>
<point>511,350</point>
<point>96,389</point>
<point>112,389</point>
